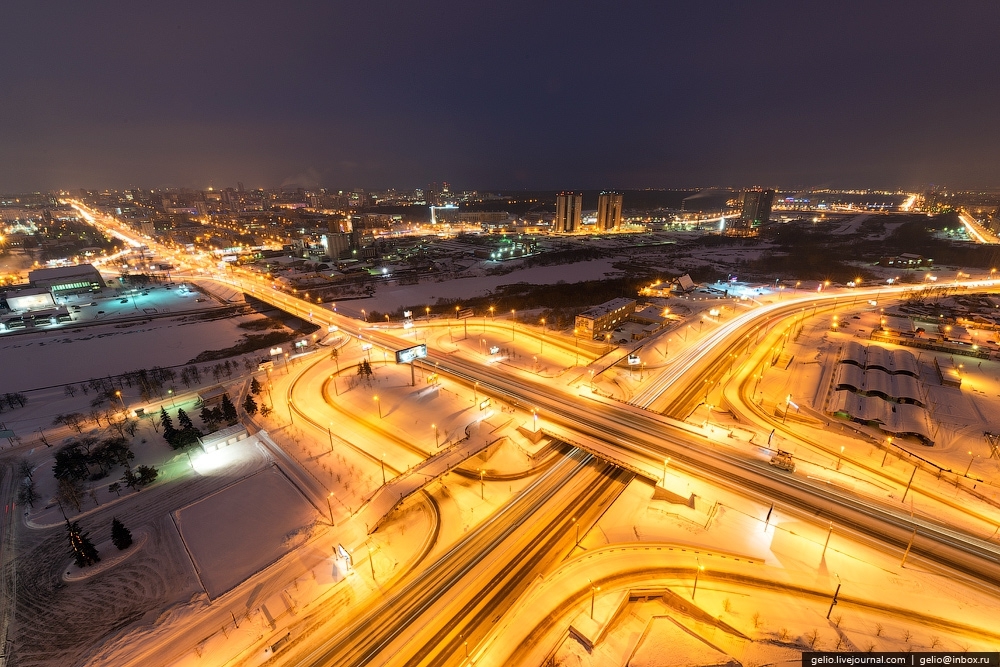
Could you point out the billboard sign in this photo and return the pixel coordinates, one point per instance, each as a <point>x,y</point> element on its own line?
<point>409,354</point>
<point>633,360</point>
<point>345,555</point>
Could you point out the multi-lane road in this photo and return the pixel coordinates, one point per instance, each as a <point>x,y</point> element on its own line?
<point>641,433</point>
<point>410,621</point>
<point>435,613</point>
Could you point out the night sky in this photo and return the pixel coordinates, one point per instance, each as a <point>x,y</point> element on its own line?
<point>490,95</point>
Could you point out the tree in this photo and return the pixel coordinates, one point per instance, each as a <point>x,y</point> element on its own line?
<point>71,463</point>
<point>208,417</point>
<point>24,468</point>
<point>184,422</point>
<point>84,551</point>
<point>27,493</point>
<point>265,410</point>
<point>121,536</point>
<point>70,390</point>
<point>73,419</point>
<point>147,474</point>
<point>250,405</point>
<point>229,410</point>
<point>254,386</point>
<point>70,492</point>
<point>187,434</point>
<point>115,488</point>
<point>169,432</point>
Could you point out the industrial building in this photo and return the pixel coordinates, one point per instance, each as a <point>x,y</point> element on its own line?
<point>604,317</point>
<point>63,280</point>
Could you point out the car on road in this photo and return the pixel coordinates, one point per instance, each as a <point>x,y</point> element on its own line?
<point>782,460</point>
<point>122,300</point>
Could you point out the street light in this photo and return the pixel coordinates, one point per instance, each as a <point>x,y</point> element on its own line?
<point>698,571</point>
<point>435,427</point>
<point>788,404</point>
<point>382,461</point>
<point>534,414</point>
<point>475,394</point>
<point>969,467</point>
<point>170,393</point>
<point>119,395</point>
<point>541,341</point>
<point>513,321</point>
<point>329,506</point>
<point>379,405</point>
<point>364,315</point>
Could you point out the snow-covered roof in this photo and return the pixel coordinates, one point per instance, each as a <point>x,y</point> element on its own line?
<point>894,418</point>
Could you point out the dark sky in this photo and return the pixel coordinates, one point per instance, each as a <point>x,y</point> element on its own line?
<point>493,95</point>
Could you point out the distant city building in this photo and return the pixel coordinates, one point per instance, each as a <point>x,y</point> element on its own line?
<point>609,211</point>
<point>755,210</point>
<point>568,209</point>
<point>605,316</point>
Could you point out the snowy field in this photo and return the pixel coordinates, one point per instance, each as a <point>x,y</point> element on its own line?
<point>32,361</point>
<point>244,528</point>
<point>388,299</point>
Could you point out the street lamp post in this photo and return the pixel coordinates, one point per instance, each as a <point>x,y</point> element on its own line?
<point>698,571</point>
<point>541,341</point>
<point>969,467</point>
<point>329,506</point>
<point>435,427</point>
<point>382,461</point>
<point>170,393</point>
<point>513,321</point>
<point>840,457</point>
<point>329,431</point>
<point>119,395</point>
<point>475,394</point>
<point>788,404</point>
<point>379,406</point>
<point>593,595</point>
<point>482,486</point>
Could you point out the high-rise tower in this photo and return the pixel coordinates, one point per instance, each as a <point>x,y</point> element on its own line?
<point>755,210</point>
<point>568,208</point>
<point>609,211</point>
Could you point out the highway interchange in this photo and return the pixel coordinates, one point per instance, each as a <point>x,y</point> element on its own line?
<point>435,613</point>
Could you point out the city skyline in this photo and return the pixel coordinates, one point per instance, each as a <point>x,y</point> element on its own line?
<point>777,95</point>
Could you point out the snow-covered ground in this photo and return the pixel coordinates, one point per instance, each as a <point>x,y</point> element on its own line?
<point>427,293</point>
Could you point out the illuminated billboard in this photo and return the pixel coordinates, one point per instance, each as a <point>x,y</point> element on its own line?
<point>409,354</point>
